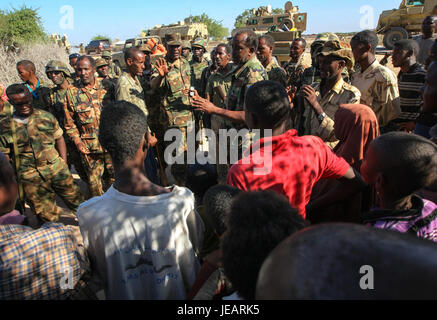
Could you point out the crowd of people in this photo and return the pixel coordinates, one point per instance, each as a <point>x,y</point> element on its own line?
<point>343,173</point>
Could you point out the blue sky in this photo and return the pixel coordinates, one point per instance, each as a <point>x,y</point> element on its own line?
<point>124,19</point>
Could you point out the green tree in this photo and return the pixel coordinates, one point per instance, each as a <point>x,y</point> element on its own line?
<point>240,21</point>
<point>21,26</point>
<point>215,27</point>
<point>101,37</point>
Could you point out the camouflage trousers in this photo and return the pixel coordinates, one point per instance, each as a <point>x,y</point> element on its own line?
<point>40,192</point>
<point>99,169</point>
<point>75,160</point>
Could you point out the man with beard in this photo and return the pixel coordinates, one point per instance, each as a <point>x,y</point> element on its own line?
<point>172,80</point>
<point>266,45</point>
<point>82,117</point>
<point>58,72</point>
<point>323,100</point>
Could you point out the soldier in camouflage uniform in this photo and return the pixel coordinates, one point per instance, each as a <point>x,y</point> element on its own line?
<point>266,45</point>
<point>311,75</point>
<point>33,139</point>
<point>37,87</point>
<point>186,50</point>
<point>198,63</point>
<point>58,72</point>
<point>128,85</point>
<point>248,72</point>
<point>5,107</point>
<point>82,106</point>
<point>114,70</point>
<point>109,83</point>
<point>172,78</point>
<point>296,66</point>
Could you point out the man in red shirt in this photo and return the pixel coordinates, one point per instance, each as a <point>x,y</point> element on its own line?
<point>283,162</point>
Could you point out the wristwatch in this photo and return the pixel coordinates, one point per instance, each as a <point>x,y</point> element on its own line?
<point>321,116</point>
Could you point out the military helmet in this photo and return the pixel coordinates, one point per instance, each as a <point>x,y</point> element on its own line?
<point>106,53</point>
<point>186,45</point>
<point>326,36</point>
<point>339,49</point>
<point>199,42</point>
<point>56,65</point>
<point>100,62</point>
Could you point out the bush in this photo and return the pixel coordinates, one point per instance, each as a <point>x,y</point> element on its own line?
<point>40,54</point>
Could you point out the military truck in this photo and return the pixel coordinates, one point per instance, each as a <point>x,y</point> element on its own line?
<point>187,30</point>
<point>402,23</point>
<point>118,57</point>
<point>284,27</point>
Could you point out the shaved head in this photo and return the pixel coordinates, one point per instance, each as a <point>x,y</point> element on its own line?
<point>336,261</point>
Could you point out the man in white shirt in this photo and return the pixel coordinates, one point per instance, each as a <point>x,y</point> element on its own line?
<point>141,238</point>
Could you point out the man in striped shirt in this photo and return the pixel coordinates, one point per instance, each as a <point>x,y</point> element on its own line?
<point>411,79</point>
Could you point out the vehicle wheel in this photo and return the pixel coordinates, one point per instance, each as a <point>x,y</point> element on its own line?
<point>394,35</point>
<point>289,23</point>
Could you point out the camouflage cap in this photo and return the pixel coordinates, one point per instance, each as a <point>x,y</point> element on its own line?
<point>199,43</point>
<point>339,49</point>
<point>173,39</point>
<point>186,44</point>
<point>100,62</point>
<point>145,48</point>
<point>106,53</point>
<point>326,36</point>
<point>56,65</point>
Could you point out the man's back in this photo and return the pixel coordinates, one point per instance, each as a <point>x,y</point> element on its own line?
<point>140,246</point>
<point>289,165</point>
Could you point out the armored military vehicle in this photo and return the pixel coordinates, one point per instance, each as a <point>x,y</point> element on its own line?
<point>187,30</point>
<point>118,57</point>
<point>398,24</point>
<point>284,27</point>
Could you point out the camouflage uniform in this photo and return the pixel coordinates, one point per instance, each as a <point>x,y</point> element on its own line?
<point>41,171</point>
<point>276,73</point>
<point>176,110</point>
<point>130,89</point>
<point>114,71</point>
<point>198,67</point>
<point>82,117</point>
<point>217,90</point>
<point>7,110</point>
<point>187,45</point>
<point>295,71</point>
<point>250,73</point>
